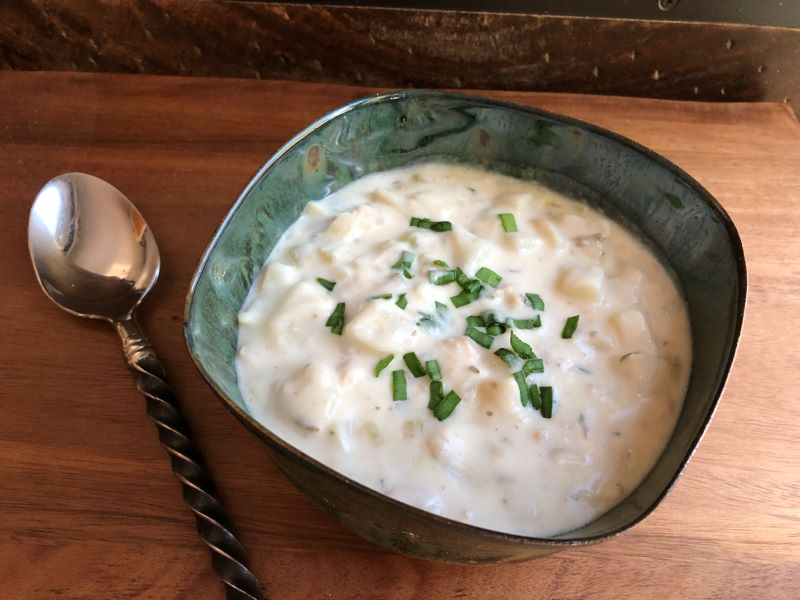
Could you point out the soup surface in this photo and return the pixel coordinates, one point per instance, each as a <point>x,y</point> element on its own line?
<point>478,346</point>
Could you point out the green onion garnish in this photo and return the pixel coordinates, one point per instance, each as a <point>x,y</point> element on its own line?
<point>524,393</point>
<point>508,357</point>
<point>402,302</point>
<point>440,307</point>
<point>425,223</point>
<point>509,222</point>
<point>476,321</point>
<point>414,365</point>
<point>570,326</point>
<point>533,365</point>
<point>441,263</point>
<point>495,329</point>
<point>381,297</point>
<point>537,322</point>
<point>473,286</point>
<point>436,394</point>
<point>446,406</point>
<point>547,401</point>
<point>479,337</point>
<point>399,385</point>
<point>383,363</point>
<point>441,277</point>
<point>463,298</point>
<point>336,320</point>
<point>488,276</point>
<point>434,372</point>
<point>461,277</point>
<point>536,397</point>
<point>521,348</point>
<point>326,283</point>
<point>405,263</point>
<point>525,323</point>
<point>536,301</point>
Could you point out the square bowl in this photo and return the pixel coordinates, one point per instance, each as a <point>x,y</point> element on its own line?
<point>660,203</point>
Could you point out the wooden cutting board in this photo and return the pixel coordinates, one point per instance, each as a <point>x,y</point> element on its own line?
<point>88,505</point>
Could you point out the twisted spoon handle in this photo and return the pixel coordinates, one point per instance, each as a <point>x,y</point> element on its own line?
<point>213,524</point>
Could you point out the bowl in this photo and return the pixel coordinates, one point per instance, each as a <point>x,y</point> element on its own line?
<point>649,195</point>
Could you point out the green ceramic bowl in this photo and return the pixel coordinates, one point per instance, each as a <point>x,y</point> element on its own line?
<point>648,194</point>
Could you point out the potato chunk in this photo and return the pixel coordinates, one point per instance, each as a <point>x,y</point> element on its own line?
<point>304,303</point>
<point>382,326</point>
<point>632,332</point>
<point>310,396</point>
<point>582,283</point>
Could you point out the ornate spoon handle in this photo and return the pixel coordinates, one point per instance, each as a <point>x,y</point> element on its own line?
<point>228,557</point>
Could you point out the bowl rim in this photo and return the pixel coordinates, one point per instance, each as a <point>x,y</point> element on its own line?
<point>292,453</point>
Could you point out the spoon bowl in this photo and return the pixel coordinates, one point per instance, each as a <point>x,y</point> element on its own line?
<point>92,251</point>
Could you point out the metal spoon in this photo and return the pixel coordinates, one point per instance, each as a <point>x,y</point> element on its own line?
<point>95,257</point>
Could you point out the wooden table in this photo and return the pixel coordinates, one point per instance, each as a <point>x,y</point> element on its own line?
<point>88,506</point>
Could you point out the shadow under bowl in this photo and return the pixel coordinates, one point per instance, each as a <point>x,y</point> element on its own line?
<point>670,211</point>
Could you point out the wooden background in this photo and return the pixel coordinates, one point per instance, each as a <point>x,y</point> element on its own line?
<point>88,506</point>
<point>402,48</point>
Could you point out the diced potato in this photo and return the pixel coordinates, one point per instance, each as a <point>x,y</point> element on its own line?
<point>306,302</point>
<point>353,223</point>
<point>499,396</point>
<point>382,326</point>
<point>315,209</point>
<point>631,331</point>
<point>637,367</point>
<point>309,398</point>
<point>582,283</point>
<point>387,197</point>
<point>577,226</point>
<point>278,275</point>
<point>521,244</point>
<point>448,446</point>
<point>516,203</point>
<point>549,233</point>
<point>470,252</point>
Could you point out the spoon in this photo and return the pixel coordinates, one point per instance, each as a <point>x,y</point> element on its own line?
<point>95,257</point>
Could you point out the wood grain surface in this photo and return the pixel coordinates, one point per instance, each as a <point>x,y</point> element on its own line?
<point>362,45</point>
<point>88,506</point>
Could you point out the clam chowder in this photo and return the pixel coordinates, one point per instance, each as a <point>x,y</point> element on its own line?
<point>478,346</point>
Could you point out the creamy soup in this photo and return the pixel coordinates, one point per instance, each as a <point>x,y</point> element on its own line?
<point>477,346</point>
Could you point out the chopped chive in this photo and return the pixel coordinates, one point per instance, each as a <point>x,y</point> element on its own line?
<point>570,326</point>
<point>402,302</point>
<point>508,357</point>
<point>537,322</point>
<point>524,323</point>
<point>547,401</point>
<point>436,394</point>
<point>461,277</point>
<point>462,299</point>
<point>434,372</point>
<point>423,223</point>
<point>522,349</point>
<point>473,286</point>
<point>336,320</point>
<point>326,283</point>
<point>509,222</point>
<point>405,263</point>
<point>488,276</point>
<point>381,297</point>
<point>441,277</point>
<point>533,365</point>
<point>446,405</point>
<point>383,363</point>
<point>441,263</point>
<point>495,329</point>
<point>440,307</point>
<point>536,301</point>
<point>479,337</point>
<point>524,393</point>
<point>414,365</point>
<point>476,321</point>
<point>399,385</point>
<point>536,397</point>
